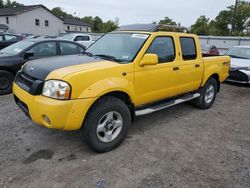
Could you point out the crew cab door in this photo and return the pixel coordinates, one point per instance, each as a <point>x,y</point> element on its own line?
<point>191,66</point>
<point>156,82</point>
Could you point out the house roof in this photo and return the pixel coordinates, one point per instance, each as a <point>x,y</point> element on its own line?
<point>75,21</point>
<point>18,10</point>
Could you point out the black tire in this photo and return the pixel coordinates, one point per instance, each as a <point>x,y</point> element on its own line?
<point>6,81</point>
<point>97,112</point>
<point>201,101</point>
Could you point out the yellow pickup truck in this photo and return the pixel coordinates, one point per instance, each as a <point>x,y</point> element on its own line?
<point>133,71</point>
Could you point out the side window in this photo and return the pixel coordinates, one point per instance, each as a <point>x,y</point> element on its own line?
<point>1,38</point>
<point>67,48</point>
<point>188,48</point>
<point>79,38</point>
<point>86,38</point>
<point>44,49</point>
<point>10,38</point>
<point>37,22</point>
<point>164,48</point>
<point>46,22</point>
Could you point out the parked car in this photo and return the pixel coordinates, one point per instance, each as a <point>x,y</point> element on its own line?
<point>15,55</point>
<point>240,64</point>
<point>83,39</point>
<point>210,50</point>
<point>8,39</point>
<point>138,73</point>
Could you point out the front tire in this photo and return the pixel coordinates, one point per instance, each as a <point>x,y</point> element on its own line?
<point>6,80</point>
<point>208,94</point>
<point>106,124</point>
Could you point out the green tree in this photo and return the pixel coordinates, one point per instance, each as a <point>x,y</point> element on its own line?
<point>242,17</point>
<point>167,21</point>
<point>88,19</point>
<point>1,4</point>
<point>223,22</point>
<point>97,24</point>
<point>109,26</point>
<point>16,4</point>
<point>220,26</point>
<point>9,4</point>
<point>60,13</point>
<point>201,26</point>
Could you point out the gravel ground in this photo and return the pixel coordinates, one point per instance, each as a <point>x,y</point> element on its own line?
<point>178,147</point>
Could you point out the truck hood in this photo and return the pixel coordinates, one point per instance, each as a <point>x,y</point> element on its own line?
<point>63,65</point>
<point>238,62</point>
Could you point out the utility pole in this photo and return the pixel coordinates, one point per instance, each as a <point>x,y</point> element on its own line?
<point>234,16</point>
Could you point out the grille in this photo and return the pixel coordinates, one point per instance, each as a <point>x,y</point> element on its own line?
<point>29,84</point>
<point>238,76</point>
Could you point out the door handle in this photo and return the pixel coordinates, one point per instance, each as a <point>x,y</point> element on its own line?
<point>197,66</point>
<point>176,68</point>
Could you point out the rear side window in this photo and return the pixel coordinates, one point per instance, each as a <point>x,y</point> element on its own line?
<point>86,38</point>
<point>164,48</point>
<point>188,48</point>
<point>67,48</point>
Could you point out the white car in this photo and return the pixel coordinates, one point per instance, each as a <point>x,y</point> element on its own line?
<point>83,39</point>
<point>240,64</point>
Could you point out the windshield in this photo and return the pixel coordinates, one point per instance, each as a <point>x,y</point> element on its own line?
<point>17,47</point>
<point>121,46</point>
<point>239,52</point>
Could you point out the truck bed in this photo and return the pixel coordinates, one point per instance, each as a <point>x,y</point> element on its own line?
<point>217,64</point>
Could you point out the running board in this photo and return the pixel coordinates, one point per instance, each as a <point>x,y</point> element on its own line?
<point>166,105</point>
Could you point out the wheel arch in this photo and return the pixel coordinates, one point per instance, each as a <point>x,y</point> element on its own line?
<point>217,78</point>
<point>118,94</point>
<point>214,76</point>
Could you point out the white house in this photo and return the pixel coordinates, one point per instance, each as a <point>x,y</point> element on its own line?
<point>76,25</point>
<point>34,19</point>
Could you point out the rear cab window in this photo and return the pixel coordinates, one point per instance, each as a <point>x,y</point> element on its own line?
<point>188,47</point>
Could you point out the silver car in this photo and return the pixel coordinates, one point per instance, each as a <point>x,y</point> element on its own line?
<point>240,64</point>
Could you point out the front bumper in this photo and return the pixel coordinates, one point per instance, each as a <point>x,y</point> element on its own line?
<point>239,76</point>
<point>66,115</point>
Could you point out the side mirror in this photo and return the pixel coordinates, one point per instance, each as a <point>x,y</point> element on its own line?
<point>149,59</point>
<point>27,55</point>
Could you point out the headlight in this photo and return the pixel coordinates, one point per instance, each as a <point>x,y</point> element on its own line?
<point>56,89</point>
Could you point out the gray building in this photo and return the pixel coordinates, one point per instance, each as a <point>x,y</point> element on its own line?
<point>34,19</point>
<point>76,25</point>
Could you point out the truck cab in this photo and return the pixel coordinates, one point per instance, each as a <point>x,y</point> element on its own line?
<point>81,38</point>
<point>133,71</point>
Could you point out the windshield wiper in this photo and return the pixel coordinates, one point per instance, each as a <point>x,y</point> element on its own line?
<point>87,53</point>
<point>109,57</point>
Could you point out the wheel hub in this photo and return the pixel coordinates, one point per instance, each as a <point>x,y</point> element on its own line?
<point>210,92</point>
<point>109,127</point>
<point>4,83</point>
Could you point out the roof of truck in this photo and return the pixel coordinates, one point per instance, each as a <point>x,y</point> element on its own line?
<point>152,28</point>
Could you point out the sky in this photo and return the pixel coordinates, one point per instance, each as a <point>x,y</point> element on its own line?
<point>139,11</point>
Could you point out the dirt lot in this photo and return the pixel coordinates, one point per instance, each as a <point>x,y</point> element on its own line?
<point>178,147</point>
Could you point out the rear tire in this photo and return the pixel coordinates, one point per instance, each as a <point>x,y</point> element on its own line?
<point>6,81</point>
<point>208,94</point>
<point>106,124</point>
